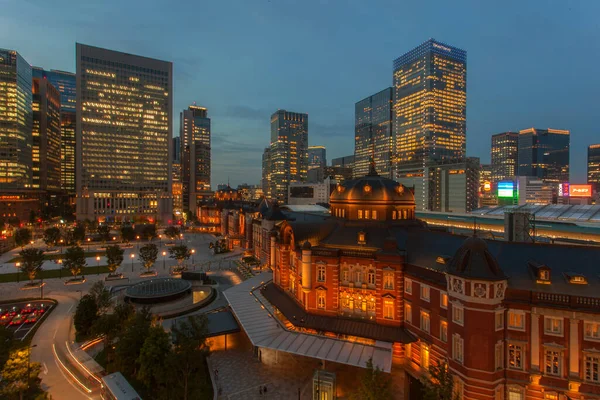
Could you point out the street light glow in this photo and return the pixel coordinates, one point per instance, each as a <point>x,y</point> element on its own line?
<point>132,255</point>
<point>97,258</point>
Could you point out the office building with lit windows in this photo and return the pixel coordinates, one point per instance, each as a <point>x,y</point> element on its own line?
<point>504,156</point>
<point>15,122</point>
<point>593,166</point>
<point>544,153</point>
<point>265,181</point>
<point>195,155</point>
<point>317,157</point>
<point>46,135</point>
<point>123,136</point>
<point>66,84</point>
<point>430,105</point>
<point>373,133</point>
<point>288,152</point>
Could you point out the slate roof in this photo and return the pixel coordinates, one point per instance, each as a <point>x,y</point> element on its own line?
<point>381,189</point>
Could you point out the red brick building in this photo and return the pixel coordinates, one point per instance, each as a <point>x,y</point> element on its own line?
<point>513,320</point>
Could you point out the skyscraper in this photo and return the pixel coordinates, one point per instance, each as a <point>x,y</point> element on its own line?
<point>504,155</point>
<point>317,157</point>
<point>430,105</point>
<point>124,132</point>
<point>345,162</point>
<point>373,133</point>
<point>46,136</point>
<point>177,148</point>
<point>289,151</point>
<point>266,172</point>
<point>544,153</point>
<point>66,84</point>
<point>593,166</point>
<point>194,132</point>
<point>15,121</point>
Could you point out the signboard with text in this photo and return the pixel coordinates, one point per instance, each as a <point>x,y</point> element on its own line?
<point>506,189</point>
<point>580,190</point>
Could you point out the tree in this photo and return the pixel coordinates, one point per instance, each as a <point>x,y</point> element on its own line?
<point>440,385</point>
<point>127,348</point>
<point>79,233</point>
<point>85,315</point>
<point>149,232</point>
<point>51,236</point>
<point>32,217</point>
<point>373,385</point>
<point>172,232</point>
<point>6,337</point>
<point>111,325</point>
<point>18,373</point>
<point>74,260</point>
<point>149,254</point>
<point>127,233</point>
<point>154,352</point>
<point>114,257</point>
<point>32,262</point>
<point>180,253</point>
<point>101,296</point>
<point>22,237</point>
<point>104,232</point>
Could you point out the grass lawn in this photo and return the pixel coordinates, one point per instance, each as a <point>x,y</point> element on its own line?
<point>59,256</point>
<point>51,273</point>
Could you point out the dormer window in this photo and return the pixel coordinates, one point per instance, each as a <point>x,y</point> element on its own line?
<point>541,272</point>
<point>577,279</point>
<point>362,237</point>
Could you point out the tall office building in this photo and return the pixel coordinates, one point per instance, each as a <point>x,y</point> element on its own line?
<point>504,156</point>
<point>544,153</point>
<point>266,172</point>
<point>46,136</point>
<point>373,133</point>
<point>15,122</point>
<point>289,151</point>
<point>430,105</point>
<point>345,162</point>
<point>66,84</point>
<point>123,137</point>
<point>593,166</point>
<point>317,157</point>
<point>195,155</point>
<point>177,148</point>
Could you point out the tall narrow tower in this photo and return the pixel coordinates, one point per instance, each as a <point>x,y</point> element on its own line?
<point>195,154</point>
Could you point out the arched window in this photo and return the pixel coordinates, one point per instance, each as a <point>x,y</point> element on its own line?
<point>321,273</point>
<point>345,275</point>
<point>371,277</point>
<point>358,275</point>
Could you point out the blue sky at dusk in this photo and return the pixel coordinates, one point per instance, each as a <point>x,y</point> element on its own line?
<point>530,63</point>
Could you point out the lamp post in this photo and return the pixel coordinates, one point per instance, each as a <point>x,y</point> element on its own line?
<point>60,269</point>
<point>164,254</point>
<point>132,257</point>
<point>97,265</point>
<point>61,244</point>
<point>193,252</point>
<point>88,240</point>
<point>18,267</point>
<point>29,365</point>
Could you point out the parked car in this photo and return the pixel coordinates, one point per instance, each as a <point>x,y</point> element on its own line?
<point>13,311</point>
<point>17,319</point>
<point>5,320</point>
<point>28,309</point>
<point>42,308</point>
<point>31,318</point>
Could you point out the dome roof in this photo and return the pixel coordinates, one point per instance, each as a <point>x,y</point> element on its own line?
<point>373,189</point>
<point>473,260</point>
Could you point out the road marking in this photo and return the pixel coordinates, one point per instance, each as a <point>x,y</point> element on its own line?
<point>45,369</point>
<point>20,326</point>
<point>70,308</point>
<point>55,331</point>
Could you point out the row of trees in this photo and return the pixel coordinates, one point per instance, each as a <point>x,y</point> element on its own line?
<point>164,366</point>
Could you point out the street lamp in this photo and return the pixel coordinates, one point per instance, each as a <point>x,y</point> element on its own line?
<point>60,269</point>
<point>164,255</point>
<point>88,240</point>
<point>98,265</point>
<point>132,257</point>
<point>61,244</point>
<point>18,266</point>
<point>193,252</point>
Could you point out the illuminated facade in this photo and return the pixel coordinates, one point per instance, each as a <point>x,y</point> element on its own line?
<point>593,166</point>
<point>504,156</point>
<point>373,133</point>
<point>544,153</point>
<point>344,162</point>
<point>266,172</point>
<point>46,135</point>
<point>177,187</point>
<point>487,196</point>
<point>15,122</point>
<point>195,154</point>
<point>288,155</point>
<point>65,83</point>
<point>124,132</point>
<point>317,157</point>
<point>430,105</point>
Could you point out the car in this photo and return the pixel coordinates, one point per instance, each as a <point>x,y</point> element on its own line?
<point>13,311</point>
<point>17,320</point>
<point>31,318</point>
<point>28,309</point>
<point>5,320</point>
<point>42,308</point>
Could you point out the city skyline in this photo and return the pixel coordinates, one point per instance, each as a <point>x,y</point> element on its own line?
<point>326,87</point>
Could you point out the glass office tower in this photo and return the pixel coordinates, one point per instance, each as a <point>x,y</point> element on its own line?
<point>66,84</point>
<point>289,151</point>
<point>373,133</point>
<point>194,133</point>
<point>124,136</point>
<point>430,105</point>
<point>317,157</point>
<point>15,122</point>
<point>504,156</point>
<point>593,166</point>
<point>544,153</point>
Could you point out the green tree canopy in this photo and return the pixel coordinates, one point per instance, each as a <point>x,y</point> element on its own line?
<point>131,340</point>
<point>149,254</point>
<point>373,384</point>
<point>104,232</point>
<point>114,257</point>
<point>154,352</point>
<point>6,337</point>
<point>19,373</point>
<point>180,253</point>
<point>32,262</point>
<point>172,232</point>
<point>78,234</point>
<point>101,297</point>
<point>440,385</point>
<point>22,237</point>
<point>85,315</point>
<point>149,232</point>
<point>51,236</point>
<point>127,233</point>
<point>74,260</point>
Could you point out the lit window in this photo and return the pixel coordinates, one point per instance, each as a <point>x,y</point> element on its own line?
<point>516,320</point>
<point>394,214</point>
<point>515,356</point>
<point>457,348</point>
<point>592,331</point>
<point>499,320</point>
<point>374,215</point>
<point>457,314</point>
<point>388,309</point>
<point>345,274</point>
<point>592,366</point>
<point>443,299</point>
<point>321,273</point>
<point>367,214</point>
<point>408,286</point>
<point>550,396</point>
<point>553,362</point>
<point>425,321</point>
<point>444,331</point>
<point>577,279</point>
<point>362,237</point>
<point>544,275</point>
<point>408,313</point>
<point>515,394</point>
<point>360,214</point>
<point>553,326</point>
<point>321,299</point>
<point>499,357</point>
<point>371,277</point>
<point>388,280</point>
<point>425,290</point>
<point>424,356</point>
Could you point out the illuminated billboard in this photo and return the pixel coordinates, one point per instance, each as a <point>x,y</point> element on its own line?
<point>580,190</point>
<point>563,190</point>
<point>487,186</point>
<point>506,189</point>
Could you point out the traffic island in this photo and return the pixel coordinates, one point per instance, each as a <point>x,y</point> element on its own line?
<point>114,277</point>
<point>33,285</point>
<point>148,274</point>
<point>75,281</point>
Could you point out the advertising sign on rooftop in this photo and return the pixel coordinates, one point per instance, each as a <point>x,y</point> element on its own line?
<point>506,189</point>
<point>580,190</point>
